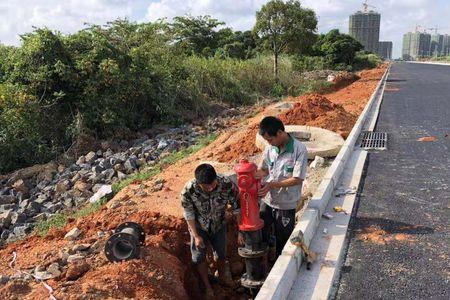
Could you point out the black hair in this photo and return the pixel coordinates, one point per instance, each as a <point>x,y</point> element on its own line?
<point>205,174</point>
<point>270,125</point>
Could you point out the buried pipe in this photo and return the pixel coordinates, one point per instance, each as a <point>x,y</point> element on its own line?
<point>125,243</point>
<point>254,250</point>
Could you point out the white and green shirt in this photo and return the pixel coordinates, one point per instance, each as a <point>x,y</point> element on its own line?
<point>292,161</point>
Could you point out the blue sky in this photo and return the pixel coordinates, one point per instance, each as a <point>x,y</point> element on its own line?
<point>397,16</point>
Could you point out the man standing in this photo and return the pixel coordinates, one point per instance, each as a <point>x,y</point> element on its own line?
<point>284,167</point>
<point>204,200</point>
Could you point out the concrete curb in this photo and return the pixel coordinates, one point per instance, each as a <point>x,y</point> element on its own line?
<point>283,274</point>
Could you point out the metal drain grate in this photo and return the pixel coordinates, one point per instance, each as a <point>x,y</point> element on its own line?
<point>373,140</point>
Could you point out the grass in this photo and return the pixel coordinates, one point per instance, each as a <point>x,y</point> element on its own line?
<point>59,220</point>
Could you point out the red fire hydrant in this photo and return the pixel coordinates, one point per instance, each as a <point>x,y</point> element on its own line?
<point>251,224</point>
<point>248,192</point>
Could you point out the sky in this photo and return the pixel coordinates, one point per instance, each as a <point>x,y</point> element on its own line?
<point>68,16</point>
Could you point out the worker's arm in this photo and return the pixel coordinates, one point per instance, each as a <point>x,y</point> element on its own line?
<point>197,238</point>
<point>235,204</point>
<point>280,184</point>
<point>261,173</point>
<point>263,168</point>
<point>298,175</point>
<point>189,215</point>
<point>233,201</point>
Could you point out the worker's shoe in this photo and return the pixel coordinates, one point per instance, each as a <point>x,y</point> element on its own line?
<point>225,278</point>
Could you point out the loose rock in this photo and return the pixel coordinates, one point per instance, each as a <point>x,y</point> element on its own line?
<point>75,257</point>
<point>76,270</point>
<point>318,162</point>
<point>73,234</point>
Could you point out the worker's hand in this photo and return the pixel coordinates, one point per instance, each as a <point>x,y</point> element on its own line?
<point>265,189</point>
<point>260,174</point>
<point>199,242</point>
<point>240,240</point>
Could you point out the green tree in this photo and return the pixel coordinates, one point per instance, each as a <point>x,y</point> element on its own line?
<point>338,48</point>
<point>285,27</point>
<point>194,34</point>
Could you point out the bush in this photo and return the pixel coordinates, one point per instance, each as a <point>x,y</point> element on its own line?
<point>365,60</point>
<point>310,63</point>
<point>106,81</point>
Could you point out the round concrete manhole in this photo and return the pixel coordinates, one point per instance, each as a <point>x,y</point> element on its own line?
<point>318,141</point>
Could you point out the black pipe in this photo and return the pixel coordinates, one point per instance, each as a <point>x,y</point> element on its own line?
<point>254,253</point>
<point>125,243</point>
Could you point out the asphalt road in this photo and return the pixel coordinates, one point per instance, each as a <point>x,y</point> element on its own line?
<point>399,234</point>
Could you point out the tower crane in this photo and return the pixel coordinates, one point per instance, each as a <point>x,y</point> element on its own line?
<point>366,6</point>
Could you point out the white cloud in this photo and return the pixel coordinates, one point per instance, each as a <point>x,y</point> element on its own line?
<point>65,16</point>
<point>397,16</point>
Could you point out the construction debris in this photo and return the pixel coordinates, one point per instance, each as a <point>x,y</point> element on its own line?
<point>340,209</point>
<point>318,162</point>
<point>342,191</point>
<point>428,139</point>
<point>327,216</point>
<point>310,256</point>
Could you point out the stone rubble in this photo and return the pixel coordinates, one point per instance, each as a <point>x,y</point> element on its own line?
<point>26,199</point>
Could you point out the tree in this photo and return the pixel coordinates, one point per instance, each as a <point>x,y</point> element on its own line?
<point>337,47</point>
<point>194,34</point>
<point>285,27</point>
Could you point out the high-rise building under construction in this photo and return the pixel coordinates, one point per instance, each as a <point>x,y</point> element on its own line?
<point>385,50</point>
<point>417,45</point>
<point>364,26</point>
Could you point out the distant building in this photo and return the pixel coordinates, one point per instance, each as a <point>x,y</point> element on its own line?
<point>445,45</point>
<point>406,46</point>
<point>364,26</point>
<point>416,45</point>
<point>436,44</point>
<point>385,50</point>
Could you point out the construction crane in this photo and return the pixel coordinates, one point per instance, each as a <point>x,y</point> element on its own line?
<point>435,30</point>
<point>366,6</point>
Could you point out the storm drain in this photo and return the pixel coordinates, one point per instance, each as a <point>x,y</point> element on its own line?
<point>371,140</point>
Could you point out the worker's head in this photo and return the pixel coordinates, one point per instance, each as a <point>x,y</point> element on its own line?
<point>206,177</point>
<point>272,130</point>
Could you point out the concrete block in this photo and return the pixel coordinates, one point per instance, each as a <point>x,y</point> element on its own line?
<point>335,171</point>
<point>280,280</point>
<point>323,194</point>
<point>307,224</point>
<point>346,152</point>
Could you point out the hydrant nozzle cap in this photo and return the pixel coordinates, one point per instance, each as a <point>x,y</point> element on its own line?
<point>244,166</point>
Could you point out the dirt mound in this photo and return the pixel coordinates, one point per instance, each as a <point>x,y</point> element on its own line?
<point>316,110</point>
<point>313,109</point>
<point>343,79</point>
<point>307,108</point>
<point>243,148</point>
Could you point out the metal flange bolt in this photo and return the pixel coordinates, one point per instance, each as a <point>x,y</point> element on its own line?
<point>125,243</point>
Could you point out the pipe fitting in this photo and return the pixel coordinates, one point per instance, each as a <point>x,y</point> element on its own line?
<point>125,243</point>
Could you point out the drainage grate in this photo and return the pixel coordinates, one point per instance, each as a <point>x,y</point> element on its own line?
<point>373,140</point>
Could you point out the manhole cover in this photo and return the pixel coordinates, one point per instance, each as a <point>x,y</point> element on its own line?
<point>371,140</point>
